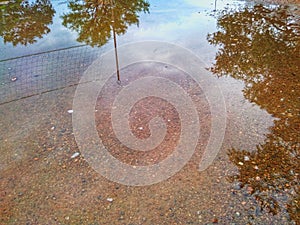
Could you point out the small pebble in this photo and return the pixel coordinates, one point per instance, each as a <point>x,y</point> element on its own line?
<point>246,158</point>
<point>215,220</point>
<point>70,111</point>
<point>109,199</point>
<point>75,155</point>
<point>14,79</point>
<point>240,163</point>
<point>237,186</point>
<point>250,190</point>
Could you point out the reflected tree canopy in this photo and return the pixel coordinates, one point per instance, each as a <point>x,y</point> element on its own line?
<point>23,22</point>
<point>94,20</point>
<point>260,45</point>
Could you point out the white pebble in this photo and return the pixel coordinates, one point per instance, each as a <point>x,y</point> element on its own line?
<point>70,111</point>
<point>246,158</point>
<point>75,155</point>
<point>109,199</point>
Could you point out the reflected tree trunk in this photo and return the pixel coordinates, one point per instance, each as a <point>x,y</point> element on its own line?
<point>115,42</point>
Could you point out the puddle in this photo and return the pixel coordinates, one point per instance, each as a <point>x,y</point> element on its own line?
<point>250,51</point>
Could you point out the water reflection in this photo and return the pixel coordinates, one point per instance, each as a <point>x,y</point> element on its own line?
<point>23,22</point>
<point>260,45</point>
<point>95,19</point>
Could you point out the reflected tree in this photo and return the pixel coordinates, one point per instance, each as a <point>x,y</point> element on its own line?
<point>260,45</point>
<point>94,20</point>
<point>22,22</point>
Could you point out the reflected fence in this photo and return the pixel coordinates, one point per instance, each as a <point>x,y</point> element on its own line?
<point>30,75</point>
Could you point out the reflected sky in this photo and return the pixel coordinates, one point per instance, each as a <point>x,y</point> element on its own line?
<point>185,24</point>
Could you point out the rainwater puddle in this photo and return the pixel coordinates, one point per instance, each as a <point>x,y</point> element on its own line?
<point>213,84</point>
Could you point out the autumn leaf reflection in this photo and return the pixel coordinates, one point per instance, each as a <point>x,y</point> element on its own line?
<point>94,20</point>
<point>22,22</point>
<point>260,45</point>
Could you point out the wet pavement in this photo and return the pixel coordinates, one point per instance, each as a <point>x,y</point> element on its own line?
<point>249,50</point>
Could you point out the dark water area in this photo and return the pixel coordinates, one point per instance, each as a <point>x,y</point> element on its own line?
<point>238,62</point>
